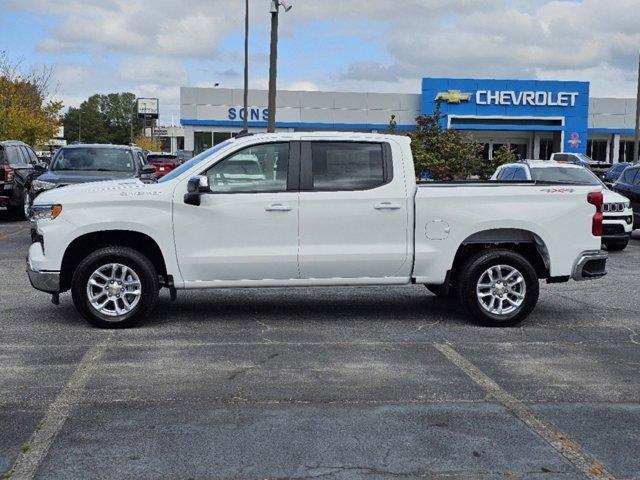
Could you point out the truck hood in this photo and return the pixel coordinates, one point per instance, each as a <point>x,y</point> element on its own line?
<point>93,190</point>
<point>71,177</point>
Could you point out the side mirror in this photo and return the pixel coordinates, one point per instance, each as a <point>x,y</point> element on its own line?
<point>148,170</point>
<point>40,167</point>
<point>195,187</point>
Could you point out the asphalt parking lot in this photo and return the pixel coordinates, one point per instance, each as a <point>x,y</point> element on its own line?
<point>335,383</point>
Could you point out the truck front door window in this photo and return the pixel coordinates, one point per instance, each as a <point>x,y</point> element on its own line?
<point>259,168</point>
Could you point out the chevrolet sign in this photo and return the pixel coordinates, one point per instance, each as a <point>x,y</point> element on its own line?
<point>453,96</point>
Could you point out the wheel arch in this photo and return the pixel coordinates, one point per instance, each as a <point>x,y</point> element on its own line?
<point>83,245</point>
<point>525,242</point>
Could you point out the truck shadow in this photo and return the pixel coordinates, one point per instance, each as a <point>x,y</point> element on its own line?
<point>316,305</point>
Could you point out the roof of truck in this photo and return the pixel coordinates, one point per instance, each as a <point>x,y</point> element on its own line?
<point>543,164</point>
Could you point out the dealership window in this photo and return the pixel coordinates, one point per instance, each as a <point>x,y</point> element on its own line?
<point>625,152</point>
<point>546,148</point>
<point>201,141</point>
<point>485,151</point>
<point>597,150</point>
<point>219,137</point>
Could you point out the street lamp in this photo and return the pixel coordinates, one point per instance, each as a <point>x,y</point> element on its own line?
<point>245,125</point>
<point>273,62</point>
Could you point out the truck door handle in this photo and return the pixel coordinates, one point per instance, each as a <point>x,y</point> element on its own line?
<point>277,207</point>
<point>387,206</point>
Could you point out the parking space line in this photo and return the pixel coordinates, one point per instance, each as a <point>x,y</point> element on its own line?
<point>8,235</point>
<point>34,451</point>
<point>569,449</point>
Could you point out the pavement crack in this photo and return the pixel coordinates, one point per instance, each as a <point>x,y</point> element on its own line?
<point>233,375</point>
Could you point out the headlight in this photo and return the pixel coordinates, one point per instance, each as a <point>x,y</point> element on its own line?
<point>46,212</point>
<point>38,185</point>
<point>627,205</point>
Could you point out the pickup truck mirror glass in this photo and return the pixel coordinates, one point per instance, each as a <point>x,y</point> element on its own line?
<point>198,184</point>
<point>148,170</point>
<point>195,187</point>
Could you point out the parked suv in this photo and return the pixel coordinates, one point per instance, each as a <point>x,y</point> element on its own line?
<point>629,185</point>
<point>614,172</point>
<point>17,168</point>
<point>618,215</point>
<point>82,163</point>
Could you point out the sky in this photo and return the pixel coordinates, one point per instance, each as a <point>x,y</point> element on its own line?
<point>152,47</point>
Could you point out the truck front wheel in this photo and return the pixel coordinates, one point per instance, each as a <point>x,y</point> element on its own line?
<point>498,287</point>
<point>115,287</point>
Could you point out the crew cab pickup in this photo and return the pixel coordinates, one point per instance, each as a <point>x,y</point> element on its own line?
<point>326,209</point>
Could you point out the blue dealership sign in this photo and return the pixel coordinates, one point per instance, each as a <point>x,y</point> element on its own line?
<point>512,105</point>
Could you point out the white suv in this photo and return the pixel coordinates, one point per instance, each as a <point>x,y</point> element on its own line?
<point>617,212</point>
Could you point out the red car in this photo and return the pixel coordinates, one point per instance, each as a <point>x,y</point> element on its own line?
<point>163,162</point>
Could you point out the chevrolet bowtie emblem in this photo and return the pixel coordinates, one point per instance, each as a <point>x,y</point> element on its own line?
<point>453,96</point>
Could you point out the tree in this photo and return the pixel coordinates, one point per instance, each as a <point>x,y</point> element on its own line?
<point>445,154</point>
<point>102,119</point>
<point>504,154</point>
<point>147,143</point>
<point>26,111</point>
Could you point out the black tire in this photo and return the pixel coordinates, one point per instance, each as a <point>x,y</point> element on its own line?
<point>616,245</point>
<point>475,268</point>
<point>19,212</point>
<point>134,260</point>
<point>440,291</point>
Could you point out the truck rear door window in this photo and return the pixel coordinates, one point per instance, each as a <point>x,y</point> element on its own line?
<point>347,166</point>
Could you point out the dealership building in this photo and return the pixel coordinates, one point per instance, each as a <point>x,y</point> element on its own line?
<point>535,117</point>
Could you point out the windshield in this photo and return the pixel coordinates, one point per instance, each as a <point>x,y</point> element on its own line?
<point>94,159</point>
<point>176,172</point>
<point>565,175</point>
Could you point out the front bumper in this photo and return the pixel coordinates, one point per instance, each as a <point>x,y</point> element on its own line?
<point>44,281</point>
<point>590,265</point>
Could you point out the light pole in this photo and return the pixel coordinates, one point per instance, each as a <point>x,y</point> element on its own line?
<point>636,138</point>
<point>273,62</point>
<point>245,120</point>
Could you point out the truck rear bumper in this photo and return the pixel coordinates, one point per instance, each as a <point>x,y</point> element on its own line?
<point>589,265</point>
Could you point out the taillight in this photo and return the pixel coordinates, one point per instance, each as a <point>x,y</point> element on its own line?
<point>8,174</point>
<point>596,198</point>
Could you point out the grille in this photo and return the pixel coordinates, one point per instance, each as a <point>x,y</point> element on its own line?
<point>612,229</point>
<point>614,207</point>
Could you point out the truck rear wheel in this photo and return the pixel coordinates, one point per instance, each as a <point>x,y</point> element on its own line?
<point>115,287</point>
<point>499,288</point>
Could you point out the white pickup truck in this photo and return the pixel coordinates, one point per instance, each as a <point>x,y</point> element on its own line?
<point>328,209</point>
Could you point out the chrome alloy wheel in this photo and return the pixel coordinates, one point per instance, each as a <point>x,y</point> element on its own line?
<point>114,289</point>
<point>501,289</point>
